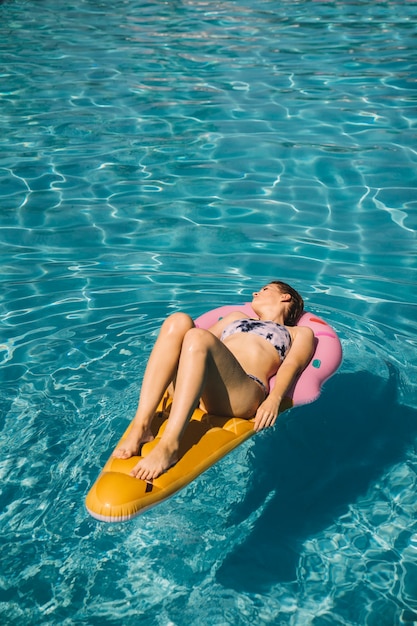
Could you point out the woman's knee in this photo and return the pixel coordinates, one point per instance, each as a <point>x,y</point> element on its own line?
<point>177,324</point>
<point>198,339</point>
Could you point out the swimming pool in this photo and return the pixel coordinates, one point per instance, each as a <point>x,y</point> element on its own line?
<point>157,157</point>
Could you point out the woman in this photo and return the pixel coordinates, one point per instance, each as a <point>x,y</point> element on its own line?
<point>226,367</point>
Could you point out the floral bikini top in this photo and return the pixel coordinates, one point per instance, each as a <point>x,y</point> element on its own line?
<point>276,334</point>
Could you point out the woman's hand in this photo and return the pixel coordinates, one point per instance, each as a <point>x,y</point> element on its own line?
<point>267,413</point>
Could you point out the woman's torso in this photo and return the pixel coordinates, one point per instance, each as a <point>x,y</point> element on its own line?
<point>259,346</point>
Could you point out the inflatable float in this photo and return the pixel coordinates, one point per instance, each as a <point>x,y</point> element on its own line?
<point>116,496</point>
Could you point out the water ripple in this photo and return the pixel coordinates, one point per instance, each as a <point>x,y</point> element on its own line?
<point>154,161</point>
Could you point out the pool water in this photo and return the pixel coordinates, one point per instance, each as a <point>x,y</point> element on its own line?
<point>176,156</point>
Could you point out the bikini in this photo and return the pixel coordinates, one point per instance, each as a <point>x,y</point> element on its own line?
<point>276,334</point>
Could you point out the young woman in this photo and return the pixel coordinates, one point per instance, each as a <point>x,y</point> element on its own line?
<point>227,368</point>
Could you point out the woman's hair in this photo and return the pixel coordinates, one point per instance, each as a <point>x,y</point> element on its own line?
<point>295,306</point>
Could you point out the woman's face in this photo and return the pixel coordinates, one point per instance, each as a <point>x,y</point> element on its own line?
<point>271,301</point>
<point>269,293</point>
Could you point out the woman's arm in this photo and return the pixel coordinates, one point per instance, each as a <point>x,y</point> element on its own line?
<point>296,360</point>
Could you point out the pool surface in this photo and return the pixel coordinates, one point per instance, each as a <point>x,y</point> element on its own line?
<point>168,156</point>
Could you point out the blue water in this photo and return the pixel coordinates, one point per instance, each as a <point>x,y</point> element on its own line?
<point>177,155</point>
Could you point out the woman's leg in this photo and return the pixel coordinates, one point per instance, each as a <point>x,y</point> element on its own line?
<point>160,371</point>
<point>206,369</point>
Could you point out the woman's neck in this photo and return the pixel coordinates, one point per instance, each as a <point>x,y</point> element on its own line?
<point>271,316</point>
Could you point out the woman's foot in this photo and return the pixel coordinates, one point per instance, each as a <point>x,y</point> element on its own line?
<point>158,461</point>
<point>130,446</point>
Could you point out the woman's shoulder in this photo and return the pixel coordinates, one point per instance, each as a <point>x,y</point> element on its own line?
<point>236,315</point>
<point>300,332</point>
<point>223,322</point>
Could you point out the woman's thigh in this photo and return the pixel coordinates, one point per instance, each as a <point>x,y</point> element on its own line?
<point>228,390</point>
